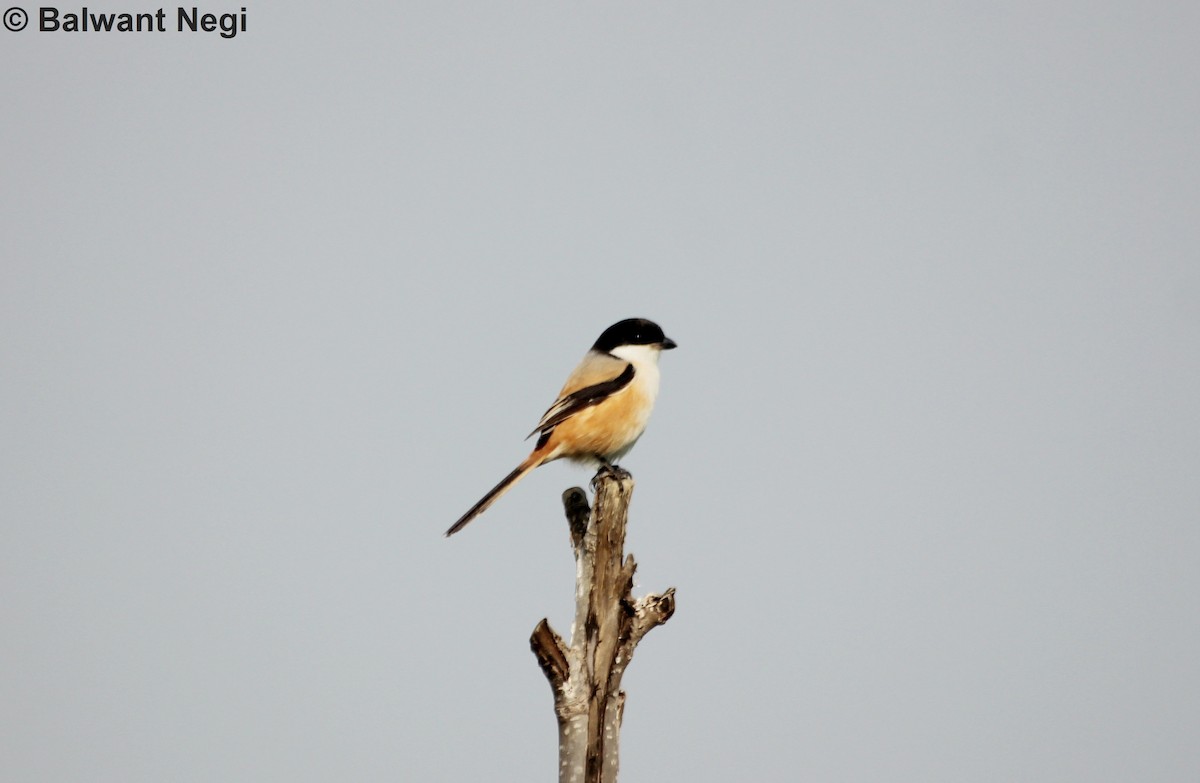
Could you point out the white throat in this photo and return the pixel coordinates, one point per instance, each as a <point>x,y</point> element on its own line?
<point>638,355</point>
<point>644,359</point>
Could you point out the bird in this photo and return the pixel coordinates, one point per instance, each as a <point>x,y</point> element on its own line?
<point>601,410</point>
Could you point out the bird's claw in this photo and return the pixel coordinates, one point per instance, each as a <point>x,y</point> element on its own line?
<point>615,471</point>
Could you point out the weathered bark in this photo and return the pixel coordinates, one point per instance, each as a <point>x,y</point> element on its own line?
<point>609,622</point>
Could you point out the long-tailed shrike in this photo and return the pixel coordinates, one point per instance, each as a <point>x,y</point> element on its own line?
<point>602,409</point>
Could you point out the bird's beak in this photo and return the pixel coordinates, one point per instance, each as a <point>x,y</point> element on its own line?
<point>667,344</point>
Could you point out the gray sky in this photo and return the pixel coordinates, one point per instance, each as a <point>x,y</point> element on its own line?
<point>275,310</point>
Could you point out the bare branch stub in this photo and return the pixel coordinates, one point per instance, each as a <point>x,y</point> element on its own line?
<point>576,507</point>
<point>551,654</point>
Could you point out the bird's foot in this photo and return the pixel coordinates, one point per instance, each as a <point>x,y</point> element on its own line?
<point>615,471</point>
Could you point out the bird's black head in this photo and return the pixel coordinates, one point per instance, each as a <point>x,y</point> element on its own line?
<point>633,331</point>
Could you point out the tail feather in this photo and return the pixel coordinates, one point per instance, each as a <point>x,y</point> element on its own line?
<point>491,497</point>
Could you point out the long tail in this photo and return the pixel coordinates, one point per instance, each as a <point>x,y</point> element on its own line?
<point>531,462</point>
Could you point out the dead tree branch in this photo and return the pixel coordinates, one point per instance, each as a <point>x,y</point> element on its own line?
<point>609,622</point>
